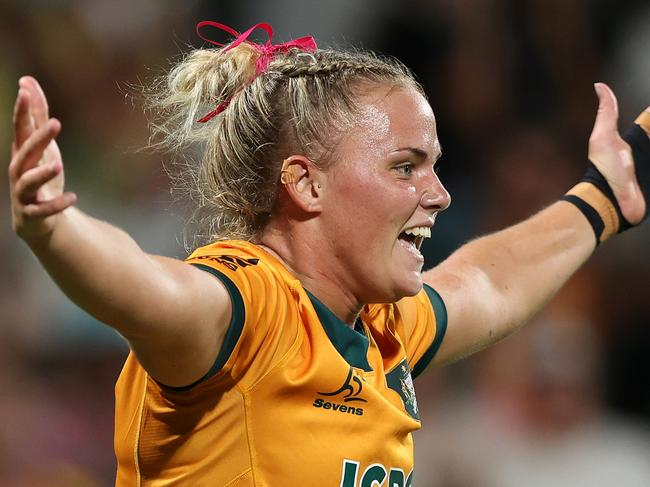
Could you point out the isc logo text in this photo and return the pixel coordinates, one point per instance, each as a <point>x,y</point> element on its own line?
<point>375,475</point>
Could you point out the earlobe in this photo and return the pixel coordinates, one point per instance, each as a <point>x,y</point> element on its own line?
<point>299,176</point>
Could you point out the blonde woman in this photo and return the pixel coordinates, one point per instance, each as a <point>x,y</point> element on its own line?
<point>284,352</point>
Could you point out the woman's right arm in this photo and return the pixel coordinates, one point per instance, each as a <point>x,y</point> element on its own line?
<point>173,315</point>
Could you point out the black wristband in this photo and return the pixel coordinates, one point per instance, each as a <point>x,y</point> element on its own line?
<point>593,176</point>
<point>600,206</point>
<point>594,218</point>
<point>639,142</point>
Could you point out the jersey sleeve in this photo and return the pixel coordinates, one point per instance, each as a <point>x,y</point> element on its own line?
<point>263,315</point>
<point>422,326</point>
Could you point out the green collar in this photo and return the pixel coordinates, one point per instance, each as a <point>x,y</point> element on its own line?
<point>351,344</point>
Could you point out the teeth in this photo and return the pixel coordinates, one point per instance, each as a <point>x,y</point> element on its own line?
<point>418,242</point>
<point>424,232</point>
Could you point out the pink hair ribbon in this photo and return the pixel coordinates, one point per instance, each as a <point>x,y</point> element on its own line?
<point>267,51</point>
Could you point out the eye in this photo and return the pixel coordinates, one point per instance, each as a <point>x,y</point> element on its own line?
<point>404,169</point>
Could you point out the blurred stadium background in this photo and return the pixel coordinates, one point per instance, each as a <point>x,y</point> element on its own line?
<point>566,402</point>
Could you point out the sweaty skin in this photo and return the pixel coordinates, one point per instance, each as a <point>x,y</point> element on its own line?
<point>382,183</point>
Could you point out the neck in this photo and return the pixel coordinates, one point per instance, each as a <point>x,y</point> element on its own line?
<point>308,260</point>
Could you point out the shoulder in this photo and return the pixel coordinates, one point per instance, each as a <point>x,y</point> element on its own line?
<point>256,280</point>
<point>419,321</point>
<point>264,307</point>
<point>230,254</point>
<point>240,261</point>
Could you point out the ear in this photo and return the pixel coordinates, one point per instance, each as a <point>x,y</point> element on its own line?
<point>301,180</point>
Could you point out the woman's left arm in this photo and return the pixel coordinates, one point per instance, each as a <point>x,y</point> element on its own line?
<point>493,285</point>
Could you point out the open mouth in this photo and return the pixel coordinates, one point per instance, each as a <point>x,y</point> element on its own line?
<point>415,236</point>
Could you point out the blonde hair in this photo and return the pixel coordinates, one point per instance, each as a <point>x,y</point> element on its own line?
<point>299,104</point>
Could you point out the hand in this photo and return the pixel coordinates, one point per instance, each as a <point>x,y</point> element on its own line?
<point>613,157</point>
<point>36,178</point>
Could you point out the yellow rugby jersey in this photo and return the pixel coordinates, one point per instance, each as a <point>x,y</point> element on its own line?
<point>295,398</point>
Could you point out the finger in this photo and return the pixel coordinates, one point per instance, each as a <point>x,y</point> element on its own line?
<point>39,108</point>
<point>50,207</point>
<point>22,121</point>
<point>28,184</point>
<point>32,150</point>
<point>606,123</point>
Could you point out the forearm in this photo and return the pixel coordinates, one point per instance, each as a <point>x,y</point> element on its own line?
<point>99,267</point>
<point>493,285</point>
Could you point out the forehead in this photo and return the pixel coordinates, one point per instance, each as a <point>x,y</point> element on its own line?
<point>392,118</point>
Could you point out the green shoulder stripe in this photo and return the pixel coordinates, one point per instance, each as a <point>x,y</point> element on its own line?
<point>235,327</point>
<point>440,312</point>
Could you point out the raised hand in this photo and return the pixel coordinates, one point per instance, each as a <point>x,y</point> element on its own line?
<point>613,157</point>
<point>36,179</point>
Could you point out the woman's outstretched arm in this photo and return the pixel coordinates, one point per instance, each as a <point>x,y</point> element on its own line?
<point>495,284</point>
<point>173,315</point>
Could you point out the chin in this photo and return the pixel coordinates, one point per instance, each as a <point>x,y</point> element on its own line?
<point>408,285</point>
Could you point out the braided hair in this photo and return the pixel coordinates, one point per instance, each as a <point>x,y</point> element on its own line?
<point>301,103</point>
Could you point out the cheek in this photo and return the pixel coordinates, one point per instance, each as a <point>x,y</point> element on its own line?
<point>357,194</point>
<point>368,205</point>
<point>371,206</point>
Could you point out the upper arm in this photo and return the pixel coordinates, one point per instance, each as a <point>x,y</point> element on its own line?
<point>495,284</point>
<point>182,322</point>
<point>472,304</point>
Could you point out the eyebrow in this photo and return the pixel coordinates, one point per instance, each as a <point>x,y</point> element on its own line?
<point>422,154</point>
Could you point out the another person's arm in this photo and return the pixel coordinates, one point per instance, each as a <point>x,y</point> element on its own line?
<point>493,285</point>
<point>173,315</point>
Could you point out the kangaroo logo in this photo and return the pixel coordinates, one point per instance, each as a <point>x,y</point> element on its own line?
<point>351,388</point>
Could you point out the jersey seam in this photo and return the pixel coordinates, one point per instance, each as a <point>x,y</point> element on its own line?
<point>249,433</point>
<point>136,453</point>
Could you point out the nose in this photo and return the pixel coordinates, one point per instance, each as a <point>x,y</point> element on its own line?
<point>435,196</point>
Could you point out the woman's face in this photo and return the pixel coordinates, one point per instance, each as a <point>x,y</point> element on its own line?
<point>382,187</point>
